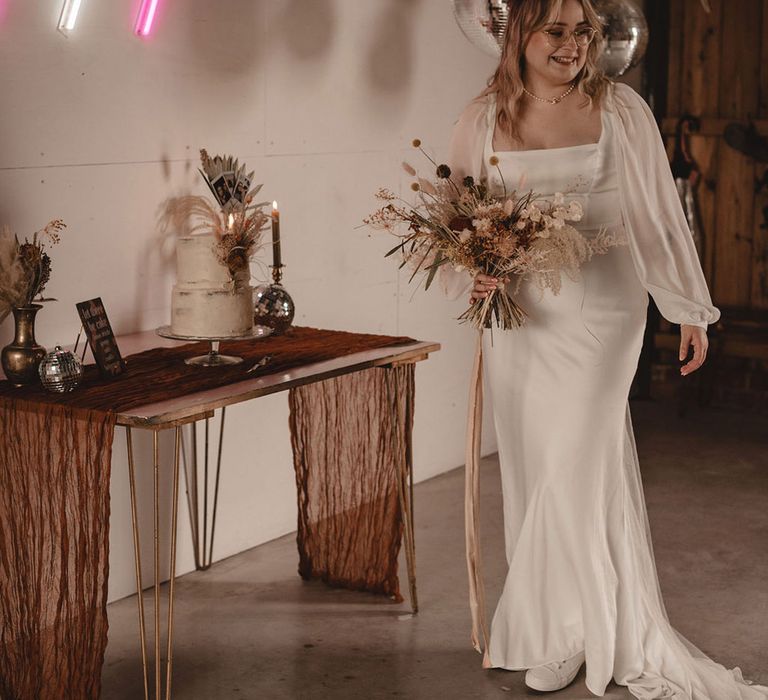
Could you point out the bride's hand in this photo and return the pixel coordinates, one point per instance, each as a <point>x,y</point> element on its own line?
<point>484,285</point>
<point>696,337</point>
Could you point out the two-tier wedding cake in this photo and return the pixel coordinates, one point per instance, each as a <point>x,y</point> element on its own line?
<point>206,301</point>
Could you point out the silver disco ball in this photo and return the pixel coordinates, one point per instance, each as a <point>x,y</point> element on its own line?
<point>484,23</point>
<point>626,35</point>
<point>60,371</point>
<point>273,307</point>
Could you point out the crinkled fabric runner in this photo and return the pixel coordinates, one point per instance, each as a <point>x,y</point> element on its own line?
<point>349,437</point>
<point>55,457</point>
<point>54,550</point>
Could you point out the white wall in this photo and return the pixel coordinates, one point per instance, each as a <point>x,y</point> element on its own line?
<point>322,99</point>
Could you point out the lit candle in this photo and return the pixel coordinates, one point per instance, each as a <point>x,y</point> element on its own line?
<point>276,259</point>
<point>230,222</point>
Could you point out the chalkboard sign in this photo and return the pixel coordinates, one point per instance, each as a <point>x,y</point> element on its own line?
<point>100,337</point>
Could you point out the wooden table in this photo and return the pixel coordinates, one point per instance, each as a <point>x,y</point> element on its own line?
<point>193,408</point>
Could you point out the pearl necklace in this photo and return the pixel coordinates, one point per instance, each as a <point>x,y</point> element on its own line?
<point>551,100</point>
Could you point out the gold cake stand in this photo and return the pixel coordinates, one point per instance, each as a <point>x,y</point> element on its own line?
<point>214,358</point>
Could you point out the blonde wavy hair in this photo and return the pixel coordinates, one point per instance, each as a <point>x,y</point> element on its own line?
<point>525,18</point>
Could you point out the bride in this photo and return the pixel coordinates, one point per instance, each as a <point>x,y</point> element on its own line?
<point>582,583</point>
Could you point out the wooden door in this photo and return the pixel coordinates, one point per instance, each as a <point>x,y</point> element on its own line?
<point>717,69</point>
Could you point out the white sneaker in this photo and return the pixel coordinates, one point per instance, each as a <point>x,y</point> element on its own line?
<point>555,675</point>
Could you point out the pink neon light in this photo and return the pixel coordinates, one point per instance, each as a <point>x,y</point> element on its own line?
<point>146,17</point>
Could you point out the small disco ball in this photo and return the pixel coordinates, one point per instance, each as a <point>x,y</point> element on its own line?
<point>626,35</point>
<point>483,22</point>
<point>273,307</point>
<point>60,371</point>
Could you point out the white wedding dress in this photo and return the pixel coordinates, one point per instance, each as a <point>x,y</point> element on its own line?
<point>581,568</point>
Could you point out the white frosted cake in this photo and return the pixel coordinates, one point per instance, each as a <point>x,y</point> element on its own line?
<point>205,301</point>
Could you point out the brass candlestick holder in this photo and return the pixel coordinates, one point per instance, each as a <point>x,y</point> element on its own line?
<point>272,305</point>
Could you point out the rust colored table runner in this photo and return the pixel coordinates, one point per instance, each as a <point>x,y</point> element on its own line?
<point>54,550</point>
<point>350,438</point>
<point>55,459</point>
<point>160,374</point>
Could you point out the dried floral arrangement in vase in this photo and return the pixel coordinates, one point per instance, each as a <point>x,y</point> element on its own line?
<point>25,269</point>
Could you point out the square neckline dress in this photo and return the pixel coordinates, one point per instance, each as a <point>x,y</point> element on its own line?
<point>581,570</point>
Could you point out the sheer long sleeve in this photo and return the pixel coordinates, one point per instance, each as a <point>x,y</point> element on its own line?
<point>661,244</point>
<point>465,157</point>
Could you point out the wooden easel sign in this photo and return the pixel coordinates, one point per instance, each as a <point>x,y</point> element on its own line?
<point>100,337</point>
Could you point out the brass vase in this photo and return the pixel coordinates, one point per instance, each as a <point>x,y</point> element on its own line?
<point>23,356</point>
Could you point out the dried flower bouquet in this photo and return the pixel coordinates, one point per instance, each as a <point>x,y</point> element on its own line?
<point>507,235</point>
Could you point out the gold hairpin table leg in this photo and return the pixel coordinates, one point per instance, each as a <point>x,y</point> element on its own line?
<point>172,581</point>
<point>406,507</point>
<point>137,560</point>
<point>202,541</point>
<point>411,532</point>
<point>156,552</point>
<point>156,560</point>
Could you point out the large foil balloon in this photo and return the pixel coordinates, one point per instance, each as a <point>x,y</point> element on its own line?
<point>626,35</point>
<point>484,23</point>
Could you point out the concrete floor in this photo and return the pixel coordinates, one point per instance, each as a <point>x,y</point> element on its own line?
<point>250,628</point>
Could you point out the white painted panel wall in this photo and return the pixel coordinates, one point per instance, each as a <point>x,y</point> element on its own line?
<point>322,99</point>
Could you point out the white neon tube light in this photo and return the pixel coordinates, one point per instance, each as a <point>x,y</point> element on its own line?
<point>68,17</point>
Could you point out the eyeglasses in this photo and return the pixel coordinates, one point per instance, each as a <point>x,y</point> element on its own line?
<point>559,37</point>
